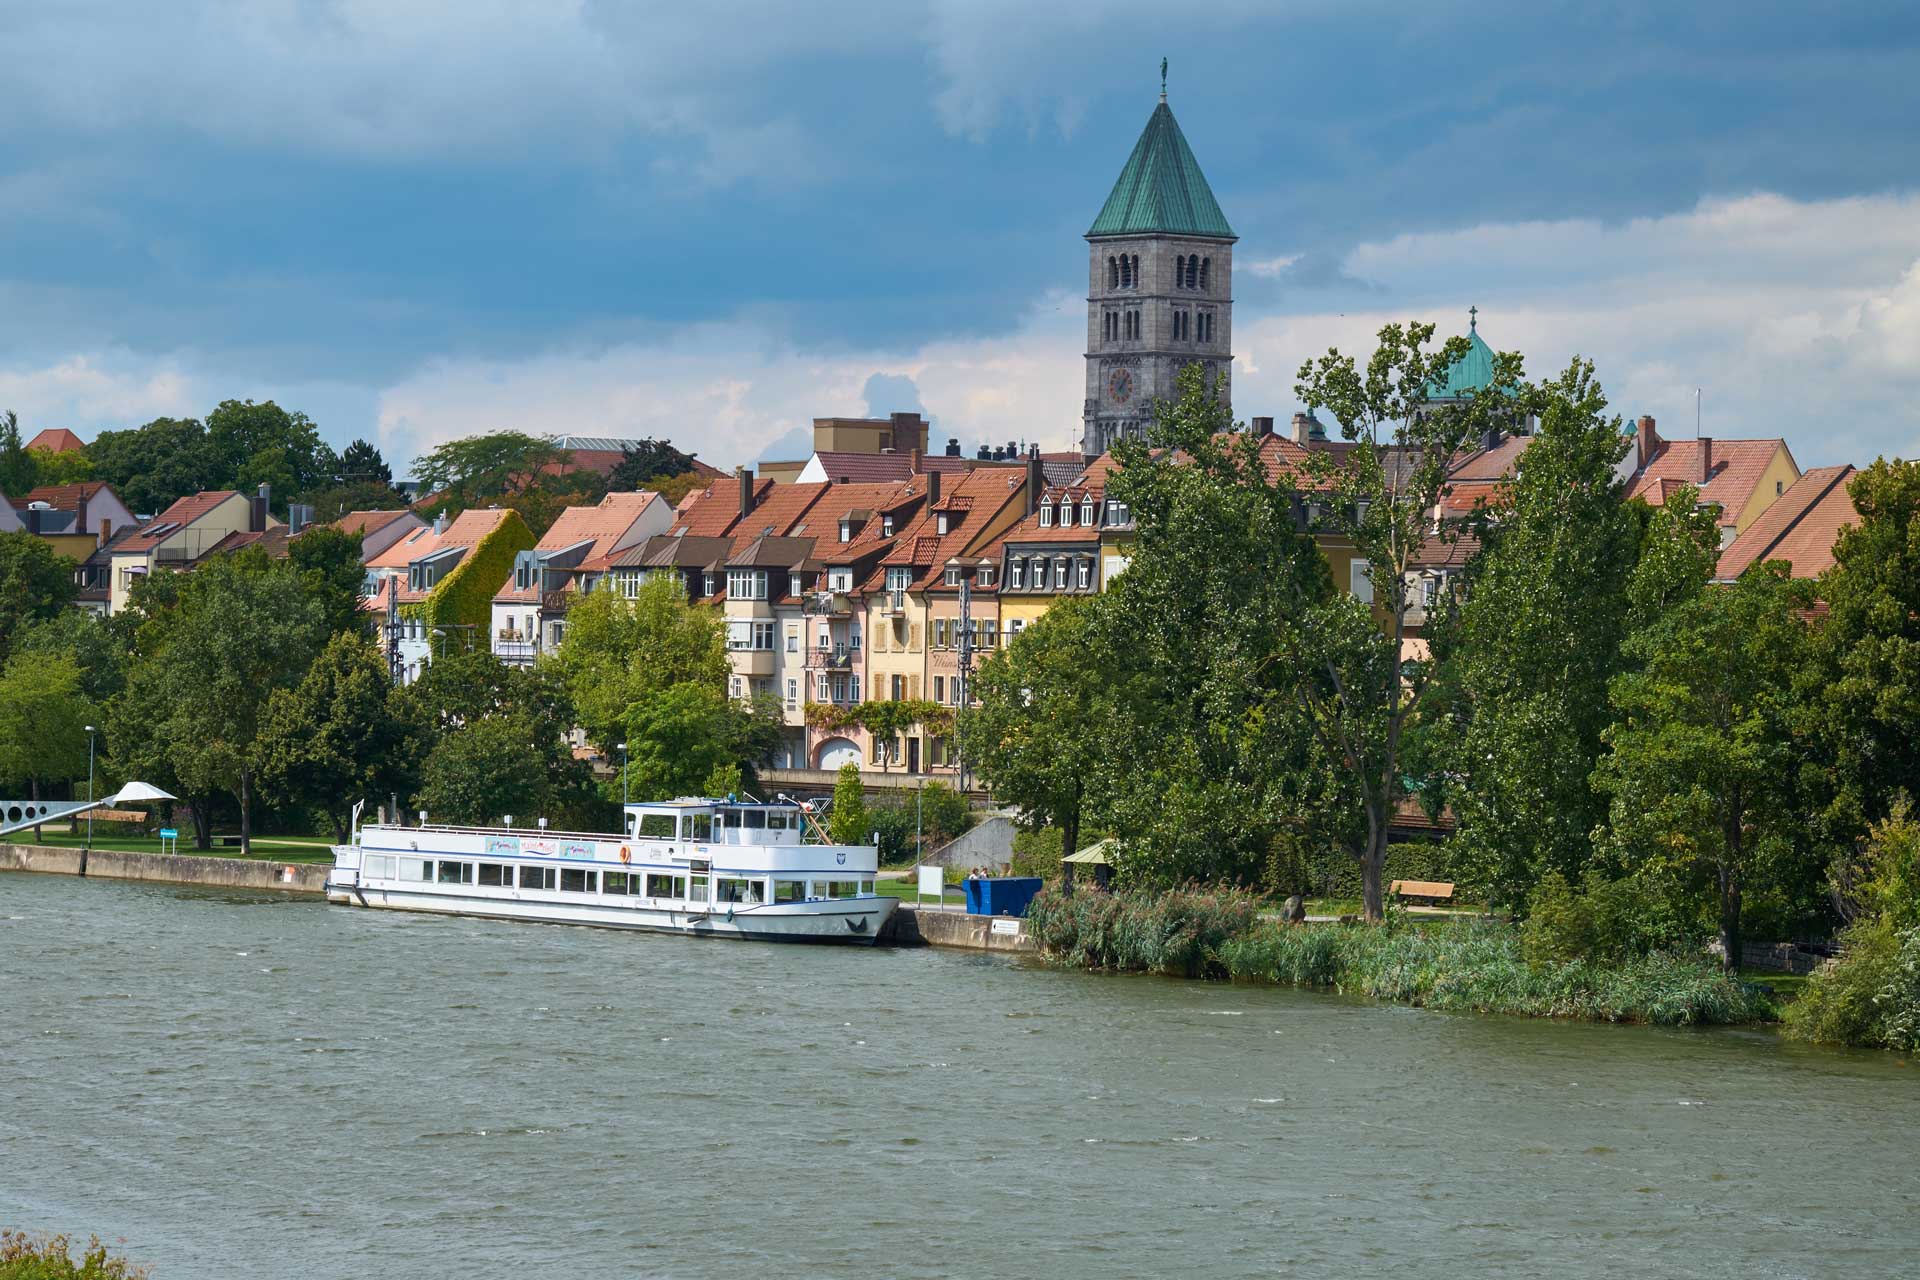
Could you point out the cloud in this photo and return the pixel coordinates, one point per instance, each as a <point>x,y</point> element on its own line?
<point>111,386</point>
<point>887,393</point>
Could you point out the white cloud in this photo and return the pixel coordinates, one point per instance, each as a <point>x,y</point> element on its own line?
<point>113,387</point>
<point>1269,268</point>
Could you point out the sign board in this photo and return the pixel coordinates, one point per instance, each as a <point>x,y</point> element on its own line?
<point>169,833</point>
<point>1006,926</point>
<point>933,881</point>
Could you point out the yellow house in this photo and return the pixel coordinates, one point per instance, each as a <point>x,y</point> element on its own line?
<point>1741,477</point>
<point>180,535</point>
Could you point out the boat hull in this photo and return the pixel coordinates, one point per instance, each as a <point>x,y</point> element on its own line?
<point>845,921</point>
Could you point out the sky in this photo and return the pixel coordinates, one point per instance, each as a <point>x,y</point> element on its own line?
<point>421,219</point>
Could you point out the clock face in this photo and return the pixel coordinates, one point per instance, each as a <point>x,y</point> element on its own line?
<point>1120,386</point>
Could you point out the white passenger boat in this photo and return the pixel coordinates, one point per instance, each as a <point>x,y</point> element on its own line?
<point>717,868</point>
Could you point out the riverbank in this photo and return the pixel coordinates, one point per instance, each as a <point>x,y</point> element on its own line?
<point>1464,966</point>
<point>212,871</point>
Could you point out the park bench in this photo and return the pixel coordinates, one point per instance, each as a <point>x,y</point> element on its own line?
<point>113,815</point>
<point>1432,892</point>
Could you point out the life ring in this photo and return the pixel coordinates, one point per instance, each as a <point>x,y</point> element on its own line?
<point>626,854</point>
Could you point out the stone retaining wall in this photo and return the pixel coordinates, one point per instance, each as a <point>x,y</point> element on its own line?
<point>909,927</point>
<point>223,873</point>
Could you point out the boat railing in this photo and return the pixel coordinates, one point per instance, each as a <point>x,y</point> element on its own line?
<point>537,833</point>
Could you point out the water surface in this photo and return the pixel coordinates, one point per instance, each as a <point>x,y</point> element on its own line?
<point>258,1086</point>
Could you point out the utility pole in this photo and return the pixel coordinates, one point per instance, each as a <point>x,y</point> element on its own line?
<point>964,669</point>
<point>90,732</point>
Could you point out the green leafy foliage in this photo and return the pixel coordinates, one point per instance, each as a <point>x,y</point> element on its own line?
<point>1609,921</point>
<point>35,582</point>
<point>150,466</point>
<point>328,562</point>
<point>254,444</point>
<point>361,463</point>
<point>464,598</point>
<point>25,1257</point>
<point>97,647</point>
<point>18,469</point>
<point>482,773</point>
<point>847,823</point>
<point>1180,933</point>
<point>617,652</point>
<point>645,461</point>
<point>43,720</point>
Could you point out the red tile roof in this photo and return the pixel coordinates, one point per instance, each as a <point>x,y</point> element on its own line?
<point>718,508</point>
<point>871,468</point>
<point>366,522</point>
<point>988,490</point>
<point>57,440</point>
<point>1800,527</point>
<point>1490,464</point>
<point>183,512</point>
<point>61,497</point>
<point>467,531</point>
<point>601,524</point>
<point>1737,468</point>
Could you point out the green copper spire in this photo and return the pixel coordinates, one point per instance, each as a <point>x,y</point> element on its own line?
<point>1162,191</point>
<point>1473,372</point>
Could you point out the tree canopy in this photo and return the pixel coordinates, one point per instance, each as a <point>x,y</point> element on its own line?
<point>35,582</point>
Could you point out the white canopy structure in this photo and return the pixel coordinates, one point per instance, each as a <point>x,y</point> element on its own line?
<point>18,815</point>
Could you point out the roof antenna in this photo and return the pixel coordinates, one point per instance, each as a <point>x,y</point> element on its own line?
<point>1163,80</point>
<point>1696,413</point>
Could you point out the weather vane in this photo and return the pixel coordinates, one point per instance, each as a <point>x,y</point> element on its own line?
<point>1163,79</point>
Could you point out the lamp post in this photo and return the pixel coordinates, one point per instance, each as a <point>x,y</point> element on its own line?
<point>90,732</point>
<point>623,775</point>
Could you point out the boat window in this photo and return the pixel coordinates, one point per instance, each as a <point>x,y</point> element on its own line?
<point>753,819</point>
<point>536,877</point>
<point>779,820</point>
<point>416,869</point>
<point>632,818</point>
<point>735,889</point>
<point>699,826</point>
<point>455,873</point>
<point>496,874</point>
<point>656,826</point>
<point>866,888</point>
<point>575,880</point>
<point>379,867</point>
<point>620,882</point>
<point>665,886</point>
<point>789,890</point>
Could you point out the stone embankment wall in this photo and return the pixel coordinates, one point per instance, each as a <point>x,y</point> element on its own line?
<point>221,873</point>
<point>908,927</point>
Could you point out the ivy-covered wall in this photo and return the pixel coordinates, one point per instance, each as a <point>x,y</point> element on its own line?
<point>465,596</point>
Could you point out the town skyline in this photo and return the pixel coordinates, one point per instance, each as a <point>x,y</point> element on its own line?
<point>418,263</point>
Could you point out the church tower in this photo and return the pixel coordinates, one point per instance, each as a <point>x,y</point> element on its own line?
<point>1160,292</point>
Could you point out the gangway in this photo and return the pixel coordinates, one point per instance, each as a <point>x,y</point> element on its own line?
<point>18,815</point>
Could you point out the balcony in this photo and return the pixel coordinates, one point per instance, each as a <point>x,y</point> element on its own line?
<point>515,648</point>
<point>893,604</point>
<point>828,604</point>
<point>836,658</point>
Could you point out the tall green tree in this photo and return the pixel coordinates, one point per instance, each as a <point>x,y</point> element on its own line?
<point>96,646</point>
<point>1864,699</point>
<point>328,562</point>
<point>71,467</point>
<point>645,461</point>
<point>618,652</point>
<point>345,733</point>
<point>1528,662</point>
<point>1701,765</point>
<point>847,823</point>
<point>43,721</point>
<point>152,465</point>
<point>1038,739</point>
<point>35,582</point>
<point>18,470</point>
<point>1364,687</point>
<point>488,467</point>
<point>482,774</point>
<point>362,463</point>
<point>196,699</point>
<point>1207,767</point>
<point>254,444</point>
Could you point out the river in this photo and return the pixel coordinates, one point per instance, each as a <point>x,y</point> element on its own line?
<point>256,1086</point>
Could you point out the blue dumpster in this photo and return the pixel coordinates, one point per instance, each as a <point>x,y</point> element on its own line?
<point>1001,896</point>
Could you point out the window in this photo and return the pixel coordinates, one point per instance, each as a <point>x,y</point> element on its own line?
<point>793,639</point>
<point>886,526</point>
<point>939,689</point>
<point>853,688</point>
<point>656,826</point>
<point>666,886</point>
<point>1205,266</point>
<point>1019,580</point>
<point>839,579</point>
<point>496,875</point>
<point>820,688</point>
<point>986,575</point>
<point>455,873</point>
<point>789,890</point>
<point>1086,511</point>
<point>379,867</point>
<point>899,685</point>
<point>1066,511</point>
<point>1039,573</point>
<point>1113,273</point>
<point>1060,574</point>
<point>579,880</point>
<point>625,883</point>
<point>793,584</point>
<point>537,877</point>
<point>940,522</point>
<point>1116,513</point>
<point>846,531</point>
<point>763,636</point>
<point>951,577</point>
<point>1085,576</point>
<point>1015,627</point>
<point>793,692</point>
<point>739,635</point>
<point>853,637</point>
<point>747,584</point>
<point>1360,581</point>
<point>1046,513</point>
<point>1779,487</point>
<point>939,633</point>
<point>899,579</point>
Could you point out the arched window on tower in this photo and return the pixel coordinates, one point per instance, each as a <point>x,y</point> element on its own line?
<point>1113,273</point>
<point>1126,272</point>
<point>1133,270</point>
<point>1204,264</point>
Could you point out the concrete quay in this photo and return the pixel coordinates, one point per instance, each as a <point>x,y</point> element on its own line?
<point>169,868</point>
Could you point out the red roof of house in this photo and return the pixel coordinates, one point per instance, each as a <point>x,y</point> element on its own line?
<point>57,440</point>
<point>718,508</point>
<point>366,522</point>
<point>183,512</point>
<point>871,468</point>
<point>601,524</point>
<point>987,489</point>
<point>1737,466</point>
<point>1800,527</point>
<point>467,531</point>
<point>62,497</point>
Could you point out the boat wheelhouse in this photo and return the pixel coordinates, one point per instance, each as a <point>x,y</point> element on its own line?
<point>719,868</point>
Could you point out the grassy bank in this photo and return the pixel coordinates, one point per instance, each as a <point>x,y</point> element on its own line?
<point>1457,965</point>
<point>265,848</point>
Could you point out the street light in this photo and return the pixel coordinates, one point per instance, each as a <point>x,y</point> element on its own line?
<point>623,775</point>
<point>90,732</point>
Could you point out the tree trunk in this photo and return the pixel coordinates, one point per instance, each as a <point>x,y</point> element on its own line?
<point>246,813</point>
<point>201,811</point>
<point>33,795</point>
<point>1730,939</point>
<point>340,832</point>
<point>1373,862</point>
<point>1069,845</point>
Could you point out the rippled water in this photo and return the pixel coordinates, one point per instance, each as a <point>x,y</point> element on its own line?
<point>251,1086</point>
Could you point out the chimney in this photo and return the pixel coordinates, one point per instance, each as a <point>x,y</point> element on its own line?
<point>1302,428</point>
<point>1491,440</point>
<point>440,523</point>
<point>745,476</point>
<point>907,430</point>
<point>933,489</point>
<point>106,530</point>
<point>1706,460</point>
<point>257,517</point>
<point>1262,428</point>
<point>1036,480</point>
<point>80,513</point>
<point>913,462</point>
<point>1646,440</point>
<point>986,454</point>
<point>953,446</point>
<point>33,519</point>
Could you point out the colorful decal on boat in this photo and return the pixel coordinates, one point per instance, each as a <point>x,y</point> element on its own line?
<point>539,847</point>
<point>509,845</point>
<point>577,849</point>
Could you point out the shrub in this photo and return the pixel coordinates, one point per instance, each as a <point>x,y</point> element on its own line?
<point>1605,920</point>
<point>943,812</point>
<point>847,822</point>
<point>1178,933</point>
<point>1870,998</point>
<point>24,1257</point>
<point>1037,853</point>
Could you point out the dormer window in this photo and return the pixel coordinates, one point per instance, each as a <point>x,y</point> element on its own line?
<point>793,584</point>
<point>1019,574</point>
<point>1066,512</point>
<point>1046,513</point>
<point>1086,511</point>
<point>886,526</point>
<point>940,523</point>
<point>952,578</point>
<point>846,531</point>
<point>986,575</point>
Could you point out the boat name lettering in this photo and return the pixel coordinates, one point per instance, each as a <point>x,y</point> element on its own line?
<point>539,846</point>
<point>503,844</point>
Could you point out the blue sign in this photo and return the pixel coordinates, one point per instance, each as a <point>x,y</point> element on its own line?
<point>168,833</point>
